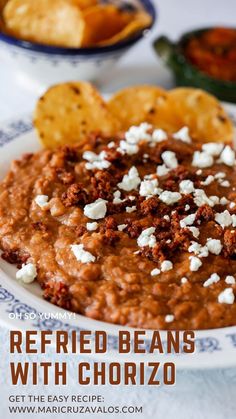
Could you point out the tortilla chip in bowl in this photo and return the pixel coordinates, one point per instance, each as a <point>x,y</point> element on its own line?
<point>49,41</point>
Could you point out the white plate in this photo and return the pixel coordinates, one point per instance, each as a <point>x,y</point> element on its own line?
<point>214,348</point>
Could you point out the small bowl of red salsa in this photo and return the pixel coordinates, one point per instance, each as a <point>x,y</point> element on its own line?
<point>204,58</point>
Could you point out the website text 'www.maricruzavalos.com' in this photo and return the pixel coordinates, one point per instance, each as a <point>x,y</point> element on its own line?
<point>80,409</point>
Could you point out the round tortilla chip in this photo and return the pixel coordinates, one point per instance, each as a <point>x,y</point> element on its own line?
<point>203,114</point>
<point>106,24</point>
<point>196,109</point>
<point>69,112</point>
<point>133,105</point>
<point>49,22</point>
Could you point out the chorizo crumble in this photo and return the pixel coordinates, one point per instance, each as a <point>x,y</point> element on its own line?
<point>139,231</point>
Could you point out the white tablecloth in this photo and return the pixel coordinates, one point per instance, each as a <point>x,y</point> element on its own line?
<point>197,394</point>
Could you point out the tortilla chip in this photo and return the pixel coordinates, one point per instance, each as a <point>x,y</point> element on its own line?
<point>140,22</point>
<point>85,4</point>
<point>204,115</point>
<point>69,112</point>
<point>2,4</point>
<point>106,25</point>
<point>134,105</point>
<point>200,111</point>
<point>49,22</point>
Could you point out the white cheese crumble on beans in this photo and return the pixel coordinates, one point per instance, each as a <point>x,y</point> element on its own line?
<point>82,255</point>
<point>183,135</point>
<point>27,273</point>
<point>92,226</point>
<point>96,209</point>
<point>226,297</point>
<point>169,318</point>
<point>214,278</point>
<point>147,238</point>
<point>130,181</point>
<point>41,201</point>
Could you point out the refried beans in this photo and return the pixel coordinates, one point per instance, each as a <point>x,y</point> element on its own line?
<point>138,230</point>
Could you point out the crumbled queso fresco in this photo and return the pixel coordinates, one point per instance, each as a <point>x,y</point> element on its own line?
<point>41,201</point>
<point>146,228</point>
<point>148,188</point>
<point>27,273</point>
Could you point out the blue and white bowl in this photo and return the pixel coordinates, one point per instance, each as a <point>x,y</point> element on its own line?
<point>48,65</point>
